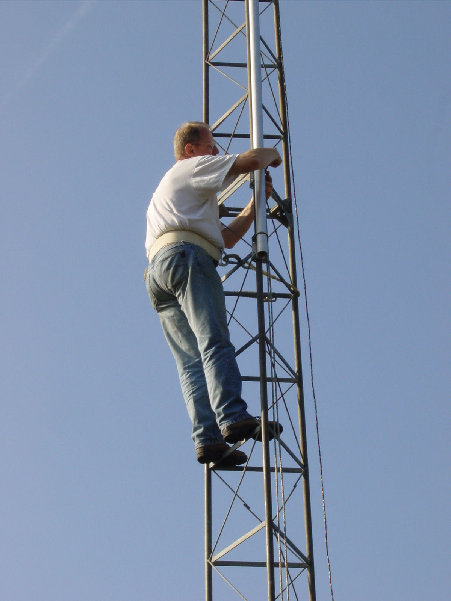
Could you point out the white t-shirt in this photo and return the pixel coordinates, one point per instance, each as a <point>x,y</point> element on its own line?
<point>186,199</point>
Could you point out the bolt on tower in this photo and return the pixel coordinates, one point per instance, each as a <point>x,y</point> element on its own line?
<point>258,531</point>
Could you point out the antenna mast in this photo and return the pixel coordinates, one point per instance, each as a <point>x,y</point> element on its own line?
<point>244,100</point>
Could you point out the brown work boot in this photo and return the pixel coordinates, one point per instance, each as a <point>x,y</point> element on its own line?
<point>249,428</point>
<point>218,454</point>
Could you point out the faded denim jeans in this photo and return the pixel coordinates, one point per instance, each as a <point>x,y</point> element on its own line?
<point>186,291</point>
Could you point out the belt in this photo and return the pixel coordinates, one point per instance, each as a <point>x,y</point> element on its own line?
<point>184,236</point>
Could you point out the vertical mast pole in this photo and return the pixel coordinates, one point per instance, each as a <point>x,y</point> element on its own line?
<point>255,100</point>
<point>206,68</point>
<point>261,256</point>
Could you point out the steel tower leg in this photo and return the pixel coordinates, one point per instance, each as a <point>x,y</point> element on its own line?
<point>208,569</point>
<point>295,309</point>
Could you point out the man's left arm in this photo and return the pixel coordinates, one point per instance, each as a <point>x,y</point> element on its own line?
<point>240,225</point>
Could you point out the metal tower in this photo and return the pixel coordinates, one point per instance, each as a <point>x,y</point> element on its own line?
<point>257,518</point>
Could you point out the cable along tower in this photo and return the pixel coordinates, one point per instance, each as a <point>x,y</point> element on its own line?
<point>257,516</point>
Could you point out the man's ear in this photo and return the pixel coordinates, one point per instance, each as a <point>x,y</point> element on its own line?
<point>189,149</point>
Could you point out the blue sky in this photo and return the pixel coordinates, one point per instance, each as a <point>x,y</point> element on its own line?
<point>102,498</point>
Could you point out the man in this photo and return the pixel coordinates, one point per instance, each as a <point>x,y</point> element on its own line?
<point>184,243</point>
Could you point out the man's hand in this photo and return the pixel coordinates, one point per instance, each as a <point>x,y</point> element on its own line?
<point>277,161</point>
<point>223,210</point>
<point>268,185</point>
<point>253,160</point>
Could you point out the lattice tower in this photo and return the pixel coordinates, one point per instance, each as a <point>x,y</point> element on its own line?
<point>258,531</point>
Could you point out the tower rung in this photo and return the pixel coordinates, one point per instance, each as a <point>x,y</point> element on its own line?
<point>245,136</point>
<point>251,294</point>
<point>229,64</point>
<point>269,379</point>
<point>259,564</point>
<point>237,468</point>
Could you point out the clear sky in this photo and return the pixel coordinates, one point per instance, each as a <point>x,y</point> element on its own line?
<point>102,499</point>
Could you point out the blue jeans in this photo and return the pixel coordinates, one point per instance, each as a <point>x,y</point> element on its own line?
<point>186,291</point>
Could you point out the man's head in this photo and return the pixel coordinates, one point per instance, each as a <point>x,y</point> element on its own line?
<point>193,139</point>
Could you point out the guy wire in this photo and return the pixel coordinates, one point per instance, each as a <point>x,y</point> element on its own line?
<point>308,322</point>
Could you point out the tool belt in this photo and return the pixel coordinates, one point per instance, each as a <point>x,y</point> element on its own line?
<point>184,236</point>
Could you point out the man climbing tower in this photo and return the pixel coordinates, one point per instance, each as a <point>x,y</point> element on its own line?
<point>184,243</point>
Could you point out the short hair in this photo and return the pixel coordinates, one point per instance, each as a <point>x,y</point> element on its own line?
<point>189,132</point>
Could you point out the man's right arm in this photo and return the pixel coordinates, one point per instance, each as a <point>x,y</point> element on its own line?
<point>255,159</point>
